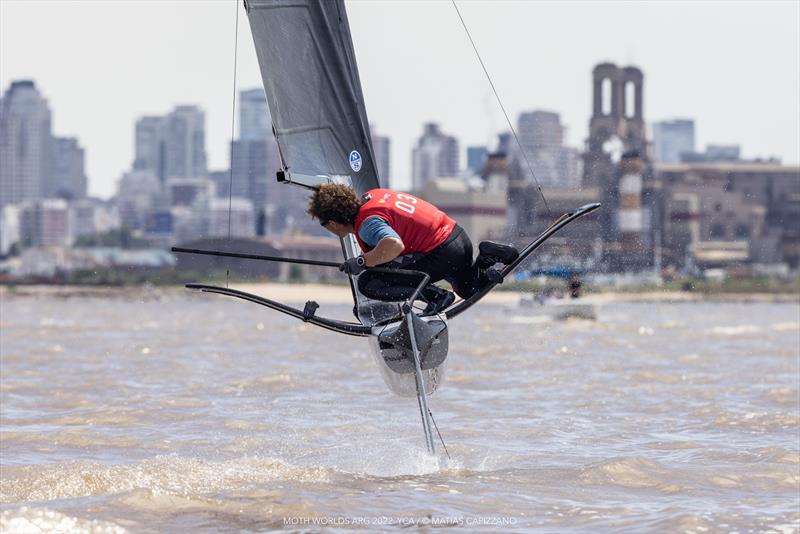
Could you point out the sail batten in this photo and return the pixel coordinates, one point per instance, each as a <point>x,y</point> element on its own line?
<point>308,65</point>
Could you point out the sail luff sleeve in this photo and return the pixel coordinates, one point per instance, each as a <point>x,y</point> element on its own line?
<point>352,67</point>
<point>308,66</point>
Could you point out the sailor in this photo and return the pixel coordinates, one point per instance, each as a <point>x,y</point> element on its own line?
<point>400,231</point>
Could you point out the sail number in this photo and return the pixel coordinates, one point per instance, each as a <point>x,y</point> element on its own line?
<point>408,207</point>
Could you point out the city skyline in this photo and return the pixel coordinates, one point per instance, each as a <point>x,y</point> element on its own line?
<point>714,209</point>
<point>699,77</point>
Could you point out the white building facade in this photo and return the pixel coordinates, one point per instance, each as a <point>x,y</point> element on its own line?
<point>45,223</point>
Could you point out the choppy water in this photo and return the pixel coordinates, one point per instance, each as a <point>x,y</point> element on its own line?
<point>195,413</point>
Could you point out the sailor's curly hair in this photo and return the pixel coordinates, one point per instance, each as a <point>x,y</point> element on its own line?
<point>334,202</point>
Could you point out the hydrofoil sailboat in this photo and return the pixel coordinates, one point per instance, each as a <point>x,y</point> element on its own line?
<point>308,66</point>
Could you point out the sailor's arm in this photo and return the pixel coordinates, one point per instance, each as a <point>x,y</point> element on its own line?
<point>386,250</point>
<point>388,245</point>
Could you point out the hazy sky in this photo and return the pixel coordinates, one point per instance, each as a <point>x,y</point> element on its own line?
<point>733,66</point>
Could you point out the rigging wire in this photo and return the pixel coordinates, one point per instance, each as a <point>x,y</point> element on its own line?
<point>497,96</point>
<point>440,435</point>
<point>233,123</point>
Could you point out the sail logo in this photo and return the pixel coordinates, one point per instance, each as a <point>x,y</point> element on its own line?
<point>355,161</point>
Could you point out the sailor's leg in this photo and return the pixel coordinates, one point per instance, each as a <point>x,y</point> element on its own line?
<point>468,281</point>
<point>452,261</point>
<point>383,285</point>
<point>438,299</point>
<point>465,276</point>
<point>491,253</point>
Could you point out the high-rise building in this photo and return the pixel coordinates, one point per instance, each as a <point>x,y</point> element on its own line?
<point>255,121</point>
<point>435,156</point>
<point>254,163</point>
<point>540,130</point>
<point>149,146</point>
<point>541,135</point>
<point>476,158</point>
<point>254,159</point>
<point>381,145</point>
<point>172,146</point>
<point>67,175</point>
<point>25,143</point>
<point>673,138</point>
<point>185,142</point>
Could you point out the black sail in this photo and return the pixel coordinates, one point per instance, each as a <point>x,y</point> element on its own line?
<point>305,53</point>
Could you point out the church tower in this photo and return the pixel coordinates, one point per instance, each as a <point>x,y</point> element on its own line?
<point>616,162</point>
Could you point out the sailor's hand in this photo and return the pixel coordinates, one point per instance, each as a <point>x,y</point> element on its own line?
<point>353,265</point>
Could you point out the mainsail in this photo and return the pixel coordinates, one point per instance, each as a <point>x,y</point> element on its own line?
<point>309,70</point>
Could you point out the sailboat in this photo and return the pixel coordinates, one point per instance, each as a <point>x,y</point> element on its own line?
<point>308,66</point>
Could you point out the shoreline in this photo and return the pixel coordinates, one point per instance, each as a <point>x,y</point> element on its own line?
<point>340,294</point>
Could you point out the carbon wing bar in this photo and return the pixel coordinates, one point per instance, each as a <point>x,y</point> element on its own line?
<point>307,315</point>
<point>561,222</point>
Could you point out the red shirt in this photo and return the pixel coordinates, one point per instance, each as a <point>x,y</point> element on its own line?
<point>421,226</point>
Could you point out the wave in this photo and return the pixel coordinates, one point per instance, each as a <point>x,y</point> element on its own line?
<point>632,472</point>
<point>170,475</point>
<point>786,327</point>
<point>735,330</point>
<point>28,520</point>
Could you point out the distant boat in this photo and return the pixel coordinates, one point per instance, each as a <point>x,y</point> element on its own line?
<point>555,309</point>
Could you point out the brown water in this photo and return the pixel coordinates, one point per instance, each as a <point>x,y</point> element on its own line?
<point>181,413</point>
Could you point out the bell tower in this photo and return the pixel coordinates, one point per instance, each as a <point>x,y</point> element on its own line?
<point>617,123</point>
<point>616,160</point>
